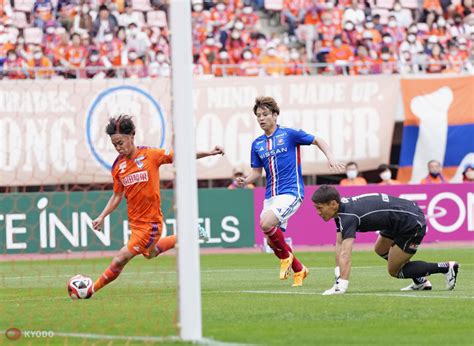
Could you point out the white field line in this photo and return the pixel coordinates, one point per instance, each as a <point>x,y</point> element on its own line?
<point>205,271</point>
<point>203,341</point>
<point>404,295</point>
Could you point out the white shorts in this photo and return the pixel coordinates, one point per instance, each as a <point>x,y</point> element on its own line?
<point>283,206</point>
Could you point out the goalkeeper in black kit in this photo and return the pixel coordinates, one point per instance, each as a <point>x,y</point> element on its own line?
<point>402,226</point>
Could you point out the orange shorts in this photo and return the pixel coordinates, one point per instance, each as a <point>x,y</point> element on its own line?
<point>144,237</point>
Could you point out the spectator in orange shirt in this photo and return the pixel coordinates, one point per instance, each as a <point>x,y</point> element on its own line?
<point>352,176</point>
<point>250,19</point>
<point>432,5</point>
<point>385,175</point>
<point>235,44</point>
<point>273,64</point>
<point>223,65</point>
<point>339,55</point>
<point>40,65</point>
<point>434,173</point>
<point>387,63</point>
<point>135,67</point>
<point>112,49</point>
<point>61,50</point>
<point>76,52</point>
<point>362,64</point>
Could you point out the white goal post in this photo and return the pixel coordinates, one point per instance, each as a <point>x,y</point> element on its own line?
<point>189,280</point>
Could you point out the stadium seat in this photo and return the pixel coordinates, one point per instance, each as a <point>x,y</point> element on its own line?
<point>384,13</point>
<point>411,4</point>
<point>141,5</point>
<point>19,19</point>
<point>33,35</point>
<point>157,18</point>
<point>385,3</point>
<point>274,5</point>
<point>140,18</point>
<point>24,5</point>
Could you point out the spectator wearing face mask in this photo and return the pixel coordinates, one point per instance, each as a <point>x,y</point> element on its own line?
<point>436,60</point>
<point>458,28</point>
<point>235,44</point>
<point>223,65</point>
<point>220,15</point>
<point>137,40</point>
<point>362,63</point>
<point>339,55</point>
<point>349,34</point>
<point>272,63</point>
<point>354,14</point>
<point>394,30</point>
<point>111,49</point>
<point>42,13</point>
<point>468,173</point>
<point>352,176</point>
<point>403,16</point>
<point>294,14</point>
<point>160,67</point>
<point>104,23</point>
<point>40,65</point>
<point>412,44</point>
<point>250,19</point>
<point>326,31</point>
<point>295,65</point>
<point>14,66</point>
<point>440,30</point>
<point>454,58</point>
<point>94,65</point>
<point>248,65</point>
<point>83,20</point>
<point>434,173</point>
<point>135,67</point>
<point>385,175</point>
<point>386,62</point>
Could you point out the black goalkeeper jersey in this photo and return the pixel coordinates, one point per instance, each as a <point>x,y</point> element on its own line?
<point>376,212</point>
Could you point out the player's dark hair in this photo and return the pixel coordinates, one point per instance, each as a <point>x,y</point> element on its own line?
<point>123,124</point>
<point>352,163</point>
<point>326,194</point>
<point>433,161</point>
<point>266,102</point>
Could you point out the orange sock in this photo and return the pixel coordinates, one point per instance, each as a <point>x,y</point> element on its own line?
<point>109,275</point>
<point>166,243</point>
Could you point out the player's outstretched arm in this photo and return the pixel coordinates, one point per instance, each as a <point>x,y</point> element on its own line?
<point>218,150</point>
<point>324,147</point>
<point>112,204</point>
<point>255,174</point>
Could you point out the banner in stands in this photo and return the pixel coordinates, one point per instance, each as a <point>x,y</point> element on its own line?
<point>449,209</point>
<point>439,125</point>
<point>53,132</point>
<point>59,222</point>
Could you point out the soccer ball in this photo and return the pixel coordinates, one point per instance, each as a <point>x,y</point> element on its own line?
<point>79,287</point>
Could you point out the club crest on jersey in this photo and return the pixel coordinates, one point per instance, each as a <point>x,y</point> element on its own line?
<point>139,161</point>
<point>280,141</point>
<point>122,166</point>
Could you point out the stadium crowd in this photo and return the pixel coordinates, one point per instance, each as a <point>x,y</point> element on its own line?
<point>125,38</point>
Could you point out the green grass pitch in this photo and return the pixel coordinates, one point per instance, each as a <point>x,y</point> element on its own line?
<point>243,302</point>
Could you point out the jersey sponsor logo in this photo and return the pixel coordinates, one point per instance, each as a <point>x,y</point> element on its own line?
<point>261,149</point>
<point>273,152</point>
<point>135,178</point>
<point>122,166</point>
<point>413,246</point>
<point>139,161</point>
<point>124,98</point>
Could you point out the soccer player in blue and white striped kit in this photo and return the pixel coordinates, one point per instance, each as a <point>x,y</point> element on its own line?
<point>278,152</point>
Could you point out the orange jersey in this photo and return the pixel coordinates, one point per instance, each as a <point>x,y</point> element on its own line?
<point>139,179</point>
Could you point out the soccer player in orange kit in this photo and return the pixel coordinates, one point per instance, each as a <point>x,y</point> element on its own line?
<point>136,175</point>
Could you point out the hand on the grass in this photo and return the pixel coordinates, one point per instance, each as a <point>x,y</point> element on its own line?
<point>97,224</point>
<point>339,288</point>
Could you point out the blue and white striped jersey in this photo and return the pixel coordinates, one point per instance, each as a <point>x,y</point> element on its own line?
<point>279,155</point>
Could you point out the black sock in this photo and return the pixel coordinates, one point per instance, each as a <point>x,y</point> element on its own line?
<point>418,269</point>
<point>417,281</point>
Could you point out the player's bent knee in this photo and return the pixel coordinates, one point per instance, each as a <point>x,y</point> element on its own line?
<point>393,272</point>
